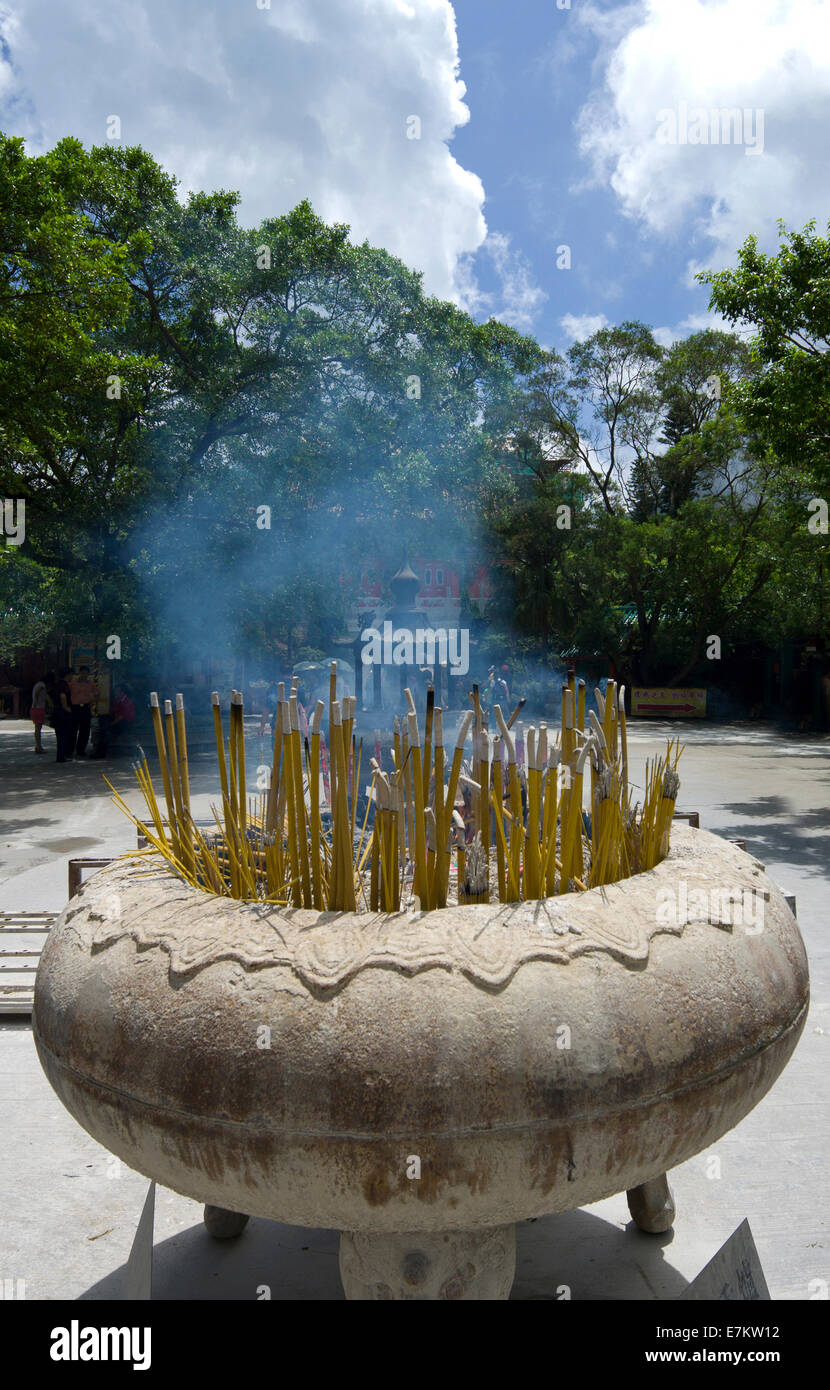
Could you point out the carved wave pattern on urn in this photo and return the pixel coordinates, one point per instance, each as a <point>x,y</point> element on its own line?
<point>487,944</point>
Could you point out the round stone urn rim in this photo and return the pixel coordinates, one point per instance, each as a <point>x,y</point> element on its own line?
<point>489,943</point>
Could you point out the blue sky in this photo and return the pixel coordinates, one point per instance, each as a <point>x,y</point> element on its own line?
<point>532,69</point>
<point>540,126</point>
<point>526,84</point>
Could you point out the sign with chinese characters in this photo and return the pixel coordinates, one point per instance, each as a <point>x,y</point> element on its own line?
<point>669,703</point>
<point>734,1274</point>
<point>86,653</point>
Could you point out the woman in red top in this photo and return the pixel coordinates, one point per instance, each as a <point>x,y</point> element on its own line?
<point>40,701</point>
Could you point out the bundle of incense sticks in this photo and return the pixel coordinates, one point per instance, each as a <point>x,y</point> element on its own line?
<point>523,793</point>
<point>662,784</point>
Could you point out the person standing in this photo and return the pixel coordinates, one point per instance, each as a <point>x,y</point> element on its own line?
<point>121,719</point>
<point>487,695</point>
<point>803,695</point>
<point>40,702</point>
<point>501,692</point>
<point>61,716</point>
<point>84,693</point>
<point>825,696</point>
<point>269,710</point>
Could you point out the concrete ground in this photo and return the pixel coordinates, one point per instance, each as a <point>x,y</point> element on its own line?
<point>68,1210</point>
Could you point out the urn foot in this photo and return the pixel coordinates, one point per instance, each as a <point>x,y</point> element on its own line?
<point>429,1265</point>
<point>224,1225</point>
<point>652,1205</point>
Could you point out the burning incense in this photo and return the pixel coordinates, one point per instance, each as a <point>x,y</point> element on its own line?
<point>161,749</point>
<point>277,849</point>
<point>181,732</point>
<point>314,813</point>
<point>476,874</point>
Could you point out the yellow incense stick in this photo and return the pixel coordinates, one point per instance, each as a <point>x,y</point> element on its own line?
<point>314,798</point>
<point>183,761</point>
<point>158,730</point>
<point>421,885</point>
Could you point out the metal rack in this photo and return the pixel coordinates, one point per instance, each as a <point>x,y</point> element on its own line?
<point>22,938</point>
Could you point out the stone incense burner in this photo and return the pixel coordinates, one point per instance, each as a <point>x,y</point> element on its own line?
<point>422,1082</point>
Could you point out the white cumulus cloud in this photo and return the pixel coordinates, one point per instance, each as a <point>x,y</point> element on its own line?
<point>578,327</point>
<point>290,101</point>
<point>518,299</point>
<point>669,334</point>
<point>770,59</point>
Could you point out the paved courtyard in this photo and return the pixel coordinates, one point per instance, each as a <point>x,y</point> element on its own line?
<point>68,1211</point>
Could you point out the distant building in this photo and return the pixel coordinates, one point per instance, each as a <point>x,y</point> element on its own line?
<point>439,598</point>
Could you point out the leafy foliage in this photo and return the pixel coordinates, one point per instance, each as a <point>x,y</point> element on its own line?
<point>786,299</point>
<point>167,376</point>
<point>168,373</point>
<point>678,529</point>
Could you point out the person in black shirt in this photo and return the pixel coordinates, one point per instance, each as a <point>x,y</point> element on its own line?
<point>61,717</point>
<point>84,694</point>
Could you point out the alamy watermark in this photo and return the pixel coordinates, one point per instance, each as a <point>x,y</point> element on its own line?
<point>423,646</point>
<point>716,125</point>
<point>13,519</point>
<point>77,1343</point>
<point>724,906</point>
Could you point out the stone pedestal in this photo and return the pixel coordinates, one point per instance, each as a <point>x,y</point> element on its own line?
<point>652,1205</point>
<point>435,1265</point>
<point>222,1224</point>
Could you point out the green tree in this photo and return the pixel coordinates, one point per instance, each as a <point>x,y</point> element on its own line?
<point>280,366</point>
<point>786,299</point>
<point>70,394</point>
<point>675,533</point>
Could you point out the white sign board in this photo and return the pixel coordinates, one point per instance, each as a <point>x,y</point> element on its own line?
<point>138,1276</point>
<point>734,1274</point>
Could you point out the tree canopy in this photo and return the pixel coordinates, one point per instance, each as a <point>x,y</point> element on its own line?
<point>171,373</point>
<point>785,298</point>
<point>211,424</point>
<point>676,525</point>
